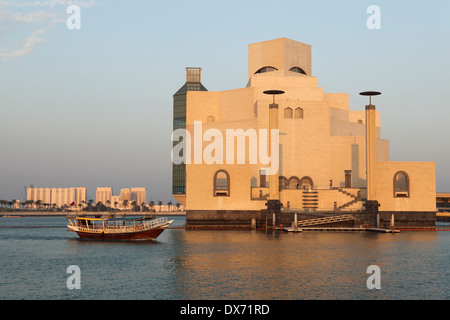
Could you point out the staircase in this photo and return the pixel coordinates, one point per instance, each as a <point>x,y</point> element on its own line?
<point>345,192</point>
<point>348,204</point>
<point>351,202</point>
<point>310,199</point>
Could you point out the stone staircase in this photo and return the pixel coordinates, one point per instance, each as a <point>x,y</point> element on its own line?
<point>354,200</point>
<point>310,199</point>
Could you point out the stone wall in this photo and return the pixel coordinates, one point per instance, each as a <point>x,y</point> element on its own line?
<point>237,219</point>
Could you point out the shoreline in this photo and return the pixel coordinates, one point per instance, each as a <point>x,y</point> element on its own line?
<point>65,214</point>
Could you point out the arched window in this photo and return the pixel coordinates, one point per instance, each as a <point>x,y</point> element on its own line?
<point>294,183</point>
<point>360,121</point>
<point>298,70</point>
<point>211,119</point>
<point>306,183</point>
<point>221,184</point>
<point>401,185</point>
<point>283,183</point>
<point>298,114</point>
<point>266,69</point>
<point>288,113</point>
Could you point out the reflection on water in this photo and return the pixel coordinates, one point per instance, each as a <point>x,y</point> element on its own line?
<point>256,265</point>
<point>223,265</point>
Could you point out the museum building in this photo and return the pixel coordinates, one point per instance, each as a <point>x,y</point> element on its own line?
<point>330,160</point>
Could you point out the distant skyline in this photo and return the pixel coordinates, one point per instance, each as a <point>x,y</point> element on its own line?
<point>93,107</point>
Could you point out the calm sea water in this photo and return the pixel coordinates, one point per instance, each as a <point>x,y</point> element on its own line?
<point>205,265</point>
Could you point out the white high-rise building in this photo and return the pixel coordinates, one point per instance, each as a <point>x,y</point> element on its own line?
<point>125,194</point>
<point>115,202</point>
<point>104,195</point>
<point>138,194</point>
<point>58,196</point>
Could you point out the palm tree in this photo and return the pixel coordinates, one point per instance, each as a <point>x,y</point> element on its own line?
<point>151,204</point>
<point>160,204</point>
<point>169,204</point>
<point>125,204</point>
<point>10,203</point>
<point>38,203</point>
<point>133,203</point>
<point>29,203</point>
<point>90,201</point>
<point>143,206</point>
<point>115,204</point>
<point>108,202</point>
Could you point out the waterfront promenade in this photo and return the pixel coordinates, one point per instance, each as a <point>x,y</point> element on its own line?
<point>92,213</point>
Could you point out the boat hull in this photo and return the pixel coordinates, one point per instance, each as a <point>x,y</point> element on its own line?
<point>151,234</point>
<point>123,229</point>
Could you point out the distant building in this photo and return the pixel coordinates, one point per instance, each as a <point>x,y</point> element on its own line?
<point>138,194</point>
<point>103,195</point>
<point>58,196</point>
<point>115,202</point>
<point>16,204</point>
<point>124,194</point>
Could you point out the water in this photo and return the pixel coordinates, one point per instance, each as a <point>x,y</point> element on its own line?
<point>205,265</point>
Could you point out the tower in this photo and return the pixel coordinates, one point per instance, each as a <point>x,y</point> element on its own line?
<point>371,158</point>
<point>282,55</point>
<point>273,203</point>
<point>193,83</point>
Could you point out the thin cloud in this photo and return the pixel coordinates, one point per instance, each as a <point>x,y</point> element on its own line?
<point>30,45</point>
<point>39,16</point>
<point>51,3</point>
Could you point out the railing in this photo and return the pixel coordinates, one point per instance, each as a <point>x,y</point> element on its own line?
<point>141,225</point>
<point>311,222</point>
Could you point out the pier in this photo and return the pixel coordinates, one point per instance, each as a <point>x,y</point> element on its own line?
<point>314,225</point>
<point>339,229</point>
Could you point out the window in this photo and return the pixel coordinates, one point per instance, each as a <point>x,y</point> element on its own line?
<point>193,74</point>
<point>348,178</point>
<point>221,184</point>
<point>306,183</point>
<point>298,114</point>
<point>298,70</point>
<point>360,121</point>
<point>288,113</point>
<point>283,183</point>
<point>211,119</point>
<point>401,185</point>
<point>294,183</point>
<point>266,69</point>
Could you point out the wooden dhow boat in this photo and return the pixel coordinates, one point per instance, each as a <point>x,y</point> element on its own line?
<point>118,229</point>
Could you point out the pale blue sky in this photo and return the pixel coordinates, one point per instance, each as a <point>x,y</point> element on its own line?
<point>93,107</point>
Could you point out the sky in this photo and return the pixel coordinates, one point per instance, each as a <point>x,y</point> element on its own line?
<point>93,106</point>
